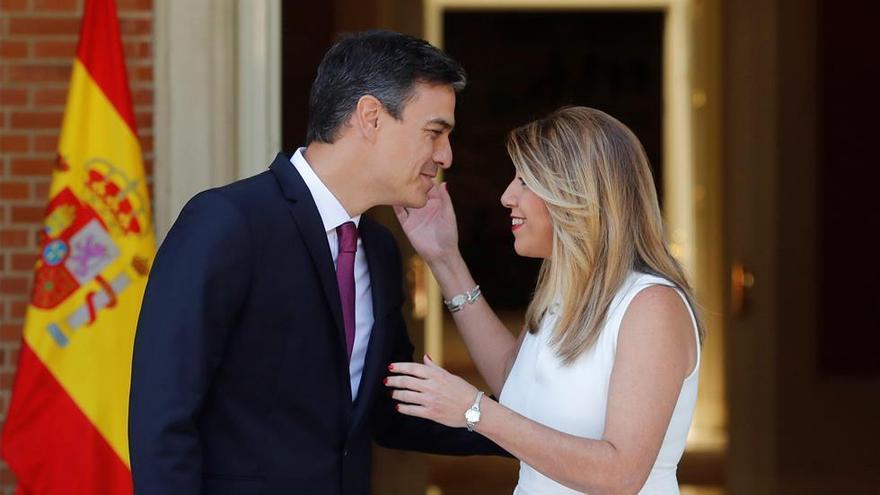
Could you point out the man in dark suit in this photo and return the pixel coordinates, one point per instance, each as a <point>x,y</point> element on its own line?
<point>274,308</point>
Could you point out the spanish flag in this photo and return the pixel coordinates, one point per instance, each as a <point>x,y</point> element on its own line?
<point>66,431</point>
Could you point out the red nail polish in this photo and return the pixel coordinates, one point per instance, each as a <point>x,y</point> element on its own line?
<point>390,367</point>
<point>385,381</point>
<point>397,406</point>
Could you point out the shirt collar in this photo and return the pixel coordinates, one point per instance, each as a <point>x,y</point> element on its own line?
<point>332,212</point>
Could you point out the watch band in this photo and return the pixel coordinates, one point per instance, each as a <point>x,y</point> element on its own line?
<point>474,409</point>
<point>458,301</point>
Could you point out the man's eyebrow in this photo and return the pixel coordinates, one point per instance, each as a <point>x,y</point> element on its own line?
<point>441,122</point>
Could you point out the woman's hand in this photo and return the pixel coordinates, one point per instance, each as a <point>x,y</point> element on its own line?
<point>432,229</point>
<point>429,391</point>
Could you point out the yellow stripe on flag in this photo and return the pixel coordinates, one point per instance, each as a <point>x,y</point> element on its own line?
<point>92,359</point>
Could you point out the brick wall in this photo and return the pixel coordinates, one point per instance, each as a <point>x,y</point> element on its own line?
<point>37,45</point>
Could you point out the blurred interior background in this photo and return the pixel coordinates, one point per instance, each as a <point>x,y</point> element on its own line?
<point>759,117</point>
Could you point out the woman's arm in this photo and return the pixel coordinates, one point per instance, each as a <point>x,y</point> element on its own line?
<point>491,345</point>
<point>432,230</point>
<point>656,351</point>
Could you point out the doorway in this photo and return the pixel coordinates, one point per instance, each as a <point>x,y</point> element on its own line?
<point>635,60</point>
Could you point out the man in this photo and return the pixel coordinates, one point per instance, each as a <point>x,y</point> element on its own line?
<point>273,308</point>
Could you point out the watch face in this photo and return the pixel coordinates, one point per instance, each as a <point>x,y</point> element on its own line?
<point>472,416</point>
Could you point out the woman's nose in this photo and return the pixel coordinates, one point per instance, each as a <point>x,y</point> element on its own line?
<point>508,199</point>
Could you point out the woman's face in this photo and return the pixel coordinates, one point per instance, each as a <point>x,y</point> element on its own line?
<point>529,220</point>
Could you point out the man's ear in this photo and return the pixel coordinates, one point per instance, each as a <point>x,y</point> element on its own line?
<point>366,116</point>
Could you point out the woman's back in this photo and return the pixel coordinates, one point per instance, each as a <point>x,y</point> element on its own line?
<point>573,398</point>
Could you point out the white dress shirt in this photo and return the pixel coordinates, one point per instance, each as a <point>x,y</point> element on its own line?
<point>333,215</point>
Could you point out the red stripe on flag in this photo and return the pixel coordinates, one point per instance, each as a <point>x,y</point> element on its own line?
<point>51,445</point>
<point>100,51</point>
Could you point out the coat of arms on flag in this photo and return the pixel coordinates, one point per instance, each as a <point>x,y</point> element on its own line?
<point>77,244</point>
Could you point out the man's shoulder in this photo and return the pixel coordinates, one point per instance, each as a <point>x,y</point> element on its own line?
<point>260,186</point>
<point>250,194</point>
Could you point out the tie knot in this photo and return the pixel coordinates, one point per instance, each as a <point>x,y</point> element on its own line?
<point>348,236</point>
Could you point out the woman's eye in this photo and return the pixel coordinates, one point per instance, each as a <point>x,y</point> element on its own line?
<point>522,182</point>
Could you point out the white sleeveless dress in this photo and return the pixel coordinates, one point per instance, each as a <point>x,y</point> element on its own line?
<point>573,399</point>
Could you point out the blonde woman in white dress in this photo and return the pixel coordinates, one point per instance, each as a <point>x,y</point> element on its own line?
<point>597,392</point>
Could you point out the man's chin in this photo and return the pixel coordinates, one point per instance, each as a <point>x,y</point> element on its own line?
<point>423,200</point>
<point>418,200</point>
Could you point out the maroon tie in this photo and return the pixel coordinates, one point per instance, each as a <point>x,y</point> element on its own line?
<point>347,234</point>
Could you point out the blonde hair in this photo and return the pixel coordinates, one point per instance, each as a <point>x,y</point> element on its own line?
<point>592,173</point>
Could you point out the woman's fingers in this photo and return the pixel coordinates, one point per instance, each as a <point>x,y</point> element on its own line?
<point>413,369</point>
<point>408,397</point>
<point>447,199</point>
<point>434,192</point>
<point>428,391</point>
<point>411,410</point>
<point>430,363</point>
<point>401,213</point>
<point>406,382</point>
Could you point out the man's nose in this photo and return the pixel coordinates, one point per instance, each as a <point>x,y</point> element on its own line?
<point>443,154</point>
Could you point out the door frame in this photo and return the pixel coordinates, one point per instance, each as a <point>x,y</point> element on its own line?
<point>692,173</point>
<point>217,108</point>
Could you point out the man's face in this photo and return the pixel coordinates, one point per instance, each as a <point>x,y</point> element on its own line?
<point>411,151</point>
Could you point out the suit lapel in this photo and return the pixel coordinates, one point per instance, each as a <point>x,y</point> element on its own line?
<point>308,220</point>
<point>381,293</point>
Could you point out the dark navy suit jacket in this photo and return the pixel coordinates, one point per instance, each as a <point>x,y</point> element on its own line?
<point>240,381</point>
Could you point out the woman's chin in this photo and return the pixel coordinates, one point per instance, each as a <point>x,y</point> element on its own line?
<point>521,250</point>
<point>526,251</point>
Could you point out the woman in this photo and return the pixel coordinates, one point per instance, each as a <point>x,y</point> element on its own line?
<point>597,394</point>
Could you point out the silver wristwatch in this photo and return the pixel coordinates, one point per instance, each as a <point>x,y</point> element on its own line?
<point>472,415</point>
<point>456,304</point>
